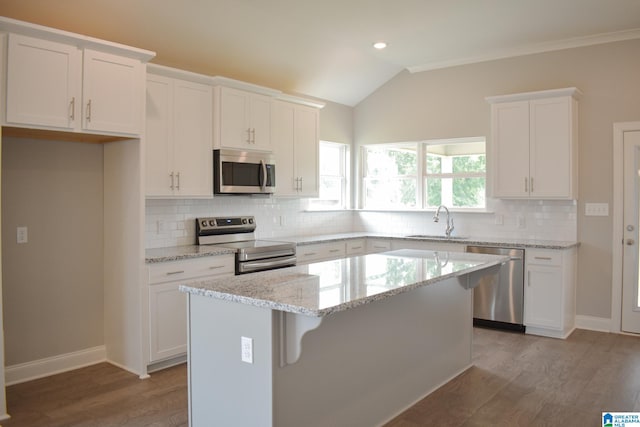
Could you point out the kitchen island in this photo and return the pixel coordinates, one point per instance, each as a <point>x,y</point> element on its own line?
<point>350,342</point>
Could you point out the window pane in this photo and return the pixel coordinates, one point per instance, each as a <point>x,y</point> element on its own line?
<point>433,192</point>
<point>434,163</point>
<point>331,188</point>
<point>385,161</point>
<point>330,159</point>
<point>469,192</point>
<point>390,193</point>
<point>472,163</point>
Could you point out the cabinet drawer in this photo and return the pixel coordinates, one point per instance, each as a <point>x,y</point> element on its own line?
<point>356,247</point>
<point>377,245</point>
<point>191,268</point>
<point>536,257</point>
<point>322,251</point>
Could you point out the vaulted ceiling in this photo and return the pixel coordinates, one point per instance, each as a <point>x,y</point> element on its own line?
<point>323,48</point>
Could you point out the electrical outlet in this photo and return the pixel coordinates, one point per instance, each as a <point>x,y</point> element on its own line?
<point>246,345</point>
<point>498,219</point>
<point>520,222</point>
<point>596,209</point>
<point>22,235</point>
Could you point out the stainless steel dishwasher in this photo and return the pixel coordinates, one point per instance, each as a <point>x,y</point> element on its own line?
<point>498,300</point>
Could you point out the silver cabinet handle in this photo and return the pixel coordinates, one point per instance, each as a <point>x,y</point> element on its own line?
<point>353,248</point>
<point>543,258</point>
<point>72,107</point>
<point>171,186</point>
<point>300,183</point>
<point>88,115</point>
<point>253,135</point>
<point>309,253</point>
<point>178,181</point>
<point>248,135</point>
<point>334,250</point>
<point>171,273</point>
<point>215,267</point>
<point>532,184</point>
<point>526,184</point>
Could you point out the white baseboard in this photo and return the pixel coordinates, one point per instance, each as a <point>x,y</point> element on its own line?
<point>28,371</point>
<point>592,323</point>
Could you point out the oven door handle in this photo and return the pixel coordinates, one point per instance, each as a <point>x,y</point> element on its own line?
<point>249,266</point>
<point>264,175</point>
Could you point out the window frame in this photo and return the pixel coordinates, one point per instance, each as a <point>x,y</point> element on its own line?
<point>345,152</point>
<point>422,175</point>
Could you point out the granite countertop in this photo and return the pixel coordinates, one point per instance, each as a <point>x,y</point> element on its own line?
<point>177,253</point>
<point>323,288</point>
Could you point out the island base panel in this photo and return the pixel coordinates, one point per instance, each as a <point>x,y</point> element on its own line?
<point>360,367</point>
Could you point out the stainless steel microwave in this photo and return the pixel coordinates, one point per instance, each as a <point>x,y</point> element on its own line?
<point>243,172</point>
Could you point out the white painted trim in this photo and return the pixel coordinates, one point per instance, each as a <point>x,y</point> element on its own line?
<point>28,371</point>
<point>550,333</point>
<point>541,94</point>
<point>617,233</point>
<point>142,375</point>
<point>530,50</point>
<point>592,323</point>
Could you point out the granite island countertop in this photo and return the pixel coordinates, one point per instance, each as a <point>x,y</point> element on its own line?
<point>323,288</point>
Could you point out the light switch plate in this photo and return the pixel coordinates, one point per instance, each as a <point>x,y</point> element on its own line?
<point>22,235</point>
<point>596,209</point>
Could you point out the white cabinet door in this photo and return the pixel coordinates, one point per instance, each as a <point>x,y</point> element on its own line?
<point>43,83</point>
<point>550,148</point>
<point>192,141</point>
<point>510,139</point>
<point>178,138</point>
<point>535,145</point>
<point>543,297</point>
<point>167,305</point>
<point>244,120</point>
<point>306,150</point>
<point>112,93</point>
<point>167,321</point>
<point>296,145</point>
<point>283,148</point>
<point>158,139</point>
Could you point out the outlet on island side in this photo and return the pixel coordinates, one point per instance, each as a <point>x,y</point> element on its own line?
<point>246,345</point>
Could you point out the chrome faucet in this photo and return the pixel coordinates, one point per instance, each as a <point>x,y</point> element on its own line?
<point>450,226</point>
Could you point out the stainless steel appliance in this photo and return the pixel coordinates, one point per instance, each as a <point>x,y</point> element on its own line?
<point>498,300</point>
<point>237,233</point>
<point>243,172</point>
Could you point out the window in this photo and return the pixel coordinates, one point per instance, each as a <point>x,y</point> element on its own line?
<point>425,174</point>
<point>390,176</point>
<point>334,170</point>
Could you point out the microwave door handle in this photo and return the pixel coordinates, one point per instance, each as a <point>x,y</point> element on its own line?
<point>264,175</point>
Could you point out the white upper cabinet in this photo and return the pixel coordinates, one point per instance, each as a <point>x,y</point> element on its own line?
<point>242,119</point>
<point>44,83</point>
<point>296,145</point>
<point>112,93</point>
<point>178,138</point>
<point>59,81</point>
<point>534,145</point>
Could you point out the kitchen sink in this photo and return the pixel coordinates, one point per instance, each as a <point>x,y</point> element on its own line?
<point>434,236</point>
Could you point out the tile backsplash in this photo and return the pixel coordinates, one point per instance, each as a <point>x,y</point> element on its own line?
<point>171,222</point>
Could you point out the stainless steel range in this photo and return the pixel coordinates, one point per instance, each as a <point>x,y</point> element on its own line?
<point>238,233</point>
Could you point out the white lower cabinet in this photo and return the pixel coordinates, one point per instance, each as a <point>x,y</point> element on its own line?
<point>549,292</point>
<point>320,252</point>
<point>356,247</point>
<point>168,306</point>
<point>378,245</point>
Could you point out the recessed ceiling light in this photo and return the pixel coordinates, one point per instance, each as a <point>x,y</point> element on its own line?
<point>380,45</point>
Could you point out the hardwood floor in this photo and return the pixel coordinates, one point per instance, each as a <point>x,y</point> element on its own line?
<point>517,380</point>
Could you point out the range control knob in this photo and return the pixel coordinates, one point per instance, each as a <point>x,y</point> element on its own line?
<point>244,220</point>
<point>203,223</point>
<point>250,220</point>
<point>212,222</point>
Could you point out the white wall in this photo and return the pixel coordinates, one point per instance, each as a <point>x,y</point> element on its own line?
<point>450,103</point>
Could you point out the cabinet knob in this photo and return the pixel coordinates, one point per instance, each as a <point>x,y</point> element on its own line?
<point>630,242</point>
